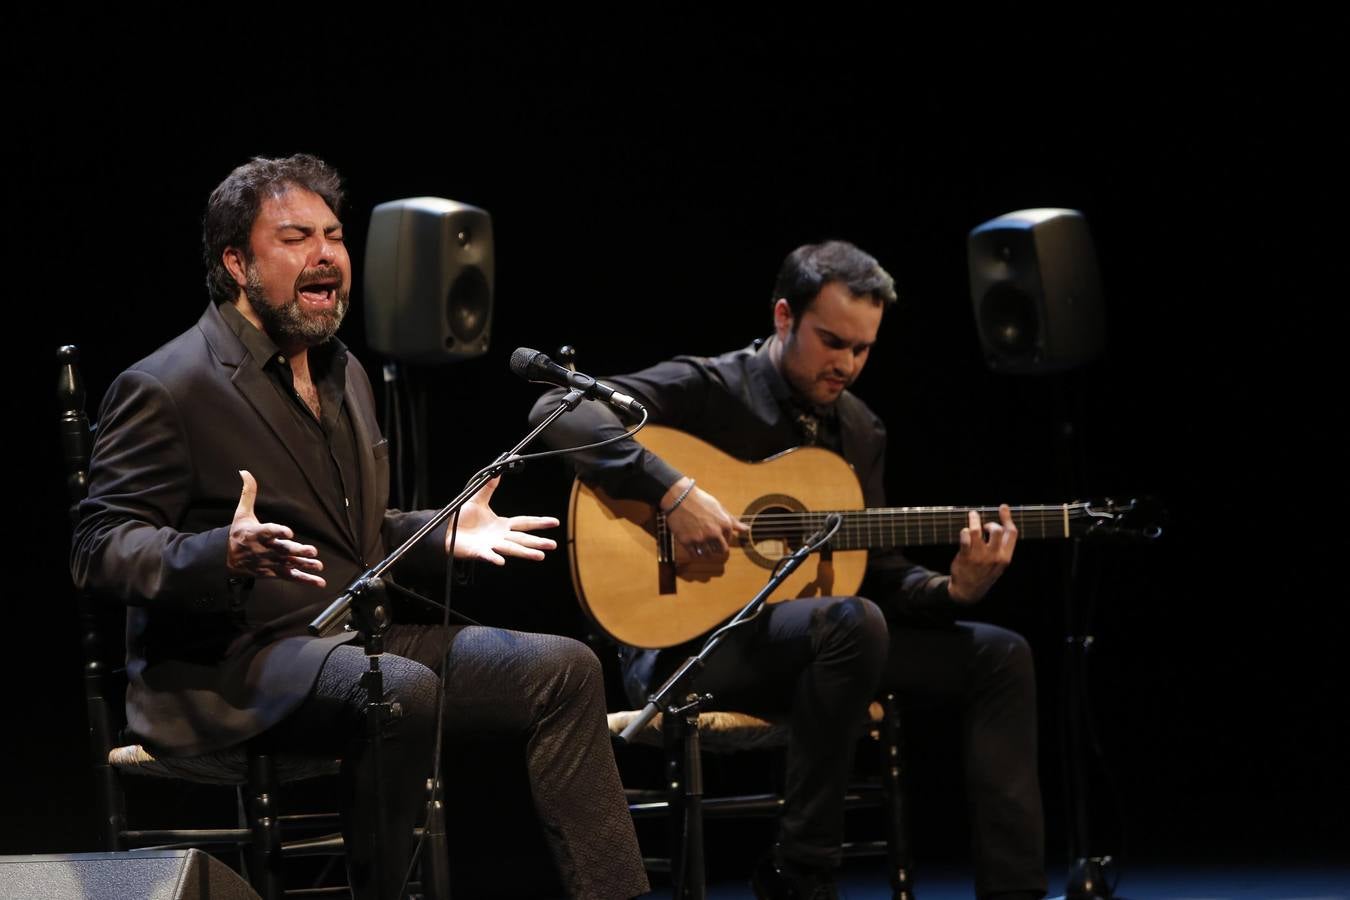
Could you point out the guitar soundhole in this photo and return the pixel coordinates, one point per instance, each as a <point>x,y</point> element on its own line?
<point>774,528</point>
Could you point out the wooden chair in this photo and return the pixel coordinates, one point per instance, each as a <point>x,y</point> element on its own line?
<point>680,796</point>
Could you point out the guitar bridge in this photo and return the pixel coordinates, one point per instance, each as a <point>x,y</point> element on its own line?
<point>665,558</point>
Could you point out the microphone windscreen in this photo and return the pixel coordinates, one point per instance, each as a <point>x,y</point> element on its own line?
<point>522,359</point>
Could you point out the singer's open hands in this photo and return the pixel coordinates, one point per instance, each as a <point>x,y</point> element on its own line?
<point>487,536</point>
<point>266,549</point>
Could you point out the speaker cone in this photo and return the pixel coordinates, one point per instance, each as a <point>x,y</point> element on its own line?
<point>468,305</point>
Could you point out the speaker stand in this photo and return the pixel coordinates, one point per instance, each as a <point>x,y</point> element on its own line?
<point>1088,875</point>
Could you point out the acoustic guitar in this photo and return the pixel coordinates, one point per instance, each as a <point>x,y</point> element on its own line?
<point>642,589</point>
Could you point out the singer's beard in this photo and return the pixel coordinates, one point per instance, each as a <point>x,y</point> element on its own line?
<point>289,322</point>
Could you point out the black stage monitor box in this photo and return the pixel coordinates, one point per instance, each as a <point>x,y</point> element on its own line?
<point>129,875</point>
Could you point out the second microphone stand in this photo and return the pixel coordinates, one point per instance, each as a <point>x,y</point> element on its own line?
<point>682,705</point>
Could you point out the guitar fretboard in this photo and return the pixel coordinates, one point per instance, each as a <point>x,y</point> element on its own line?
<point>904,526</point>
<point>915,526</point>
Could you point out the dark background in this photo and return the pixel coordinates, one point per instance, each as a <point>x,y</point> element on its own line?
<point>645,178</point>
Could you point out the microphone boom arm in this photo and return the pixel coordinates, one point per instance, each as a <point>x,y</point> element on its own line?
<point>339,611</point>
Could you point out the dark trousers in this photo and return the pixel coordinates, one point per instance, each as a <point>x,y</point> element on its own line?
<point>817,662</point>
<point>545,689</point>
<point>820,661</point>
<point>987,673</point>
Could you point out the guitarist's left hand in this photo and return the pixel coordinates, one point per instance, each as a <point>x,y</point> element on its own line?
<point>984,554</point>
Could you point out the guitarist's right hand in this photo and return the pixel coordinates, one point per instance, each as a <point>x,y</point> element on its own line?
<point>700,524</point>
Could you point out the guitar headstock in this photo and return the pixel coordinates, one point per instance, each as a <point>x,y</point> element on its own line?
<point>1129,520</point>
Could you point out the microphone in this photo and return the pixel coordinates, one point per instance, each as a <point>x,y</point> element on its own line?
<point>535,366</point>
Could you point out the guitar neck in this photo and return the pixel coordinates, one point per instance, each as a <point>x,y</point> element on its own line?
<point>917,526</point>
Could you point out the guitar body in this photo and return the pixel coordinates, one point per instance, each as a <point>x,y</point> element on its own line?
<point>641,593</point>
<point>642,590</point>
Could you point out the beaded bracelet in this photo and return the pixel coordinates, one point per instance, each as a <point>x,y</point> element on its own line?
<point>678,500</point>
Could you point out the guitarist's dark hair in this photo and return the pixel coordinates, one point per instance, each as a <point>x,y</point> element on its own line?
<point>811,266</point>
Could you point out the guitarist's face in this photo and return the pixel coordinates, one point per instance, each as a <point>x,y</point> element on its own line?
<point>824,352</point>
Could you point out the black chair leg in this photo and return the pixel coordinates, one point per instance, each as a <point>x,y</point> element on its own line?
<point>892,772</point>
<point>264,855</point>
<point>672,746</point>
<point>111,803</point>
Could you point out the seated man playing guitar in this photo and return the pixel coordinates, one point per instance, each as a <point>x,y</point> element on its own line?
<point>819,659</point>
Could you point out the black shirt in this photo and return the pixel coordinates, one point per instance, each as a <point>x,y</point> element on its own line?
<point>332,449</point>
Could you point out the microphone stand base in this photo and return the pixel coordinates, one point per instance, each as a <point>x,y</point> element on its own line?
<point>1088,880</point>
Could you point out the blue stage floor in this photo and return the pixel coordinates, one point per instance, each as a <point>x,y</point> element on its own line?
<point>1141,882</point>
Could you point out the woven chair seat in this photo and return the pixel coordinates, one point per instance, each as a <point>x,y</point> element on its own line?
<point>722,731</point>
<point>719,731</point>
<point>228,766</point>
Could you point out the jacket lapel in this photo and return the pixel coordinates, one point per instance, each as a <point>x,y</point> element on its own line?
<point>253,385</point>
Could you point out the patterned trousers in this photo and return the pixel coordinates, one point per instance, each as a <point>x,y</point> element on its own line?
<point>543,688</point>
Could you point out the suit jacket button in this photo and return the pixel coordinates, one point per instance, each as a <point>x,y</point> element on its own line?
<point>204,602</point>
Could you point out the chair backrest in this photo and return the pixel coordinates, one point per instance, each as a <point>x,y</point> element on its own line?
<point>102,699</point>
<point>77,434</point>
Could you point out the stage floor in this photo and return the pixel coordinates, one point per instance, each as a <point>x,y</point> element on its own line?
<point>1217,881</point>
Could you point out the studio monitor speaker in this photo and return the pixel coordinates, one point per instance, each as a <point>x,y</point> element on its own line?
<point>428,282</point>
<point>1036,291</point>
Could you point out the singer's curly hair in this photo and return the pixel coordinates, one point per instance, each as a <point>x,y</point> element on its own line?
<point>811,266</point>
<point>235,203</point>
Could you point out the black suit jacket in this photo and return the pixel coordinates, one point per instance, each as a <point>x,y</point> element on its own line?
<point>210,665</point>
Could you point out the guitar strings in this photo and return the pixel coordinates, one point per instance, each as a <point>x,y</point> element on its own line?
<point>911,522</point>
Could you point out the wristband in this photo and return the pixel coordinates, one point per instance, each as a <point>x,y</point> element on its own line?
<point>678,500</point>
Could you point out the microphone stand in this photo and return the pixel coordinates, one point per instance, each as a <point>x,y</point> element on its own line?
<point>361,607</point>
<point>689,875</point>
